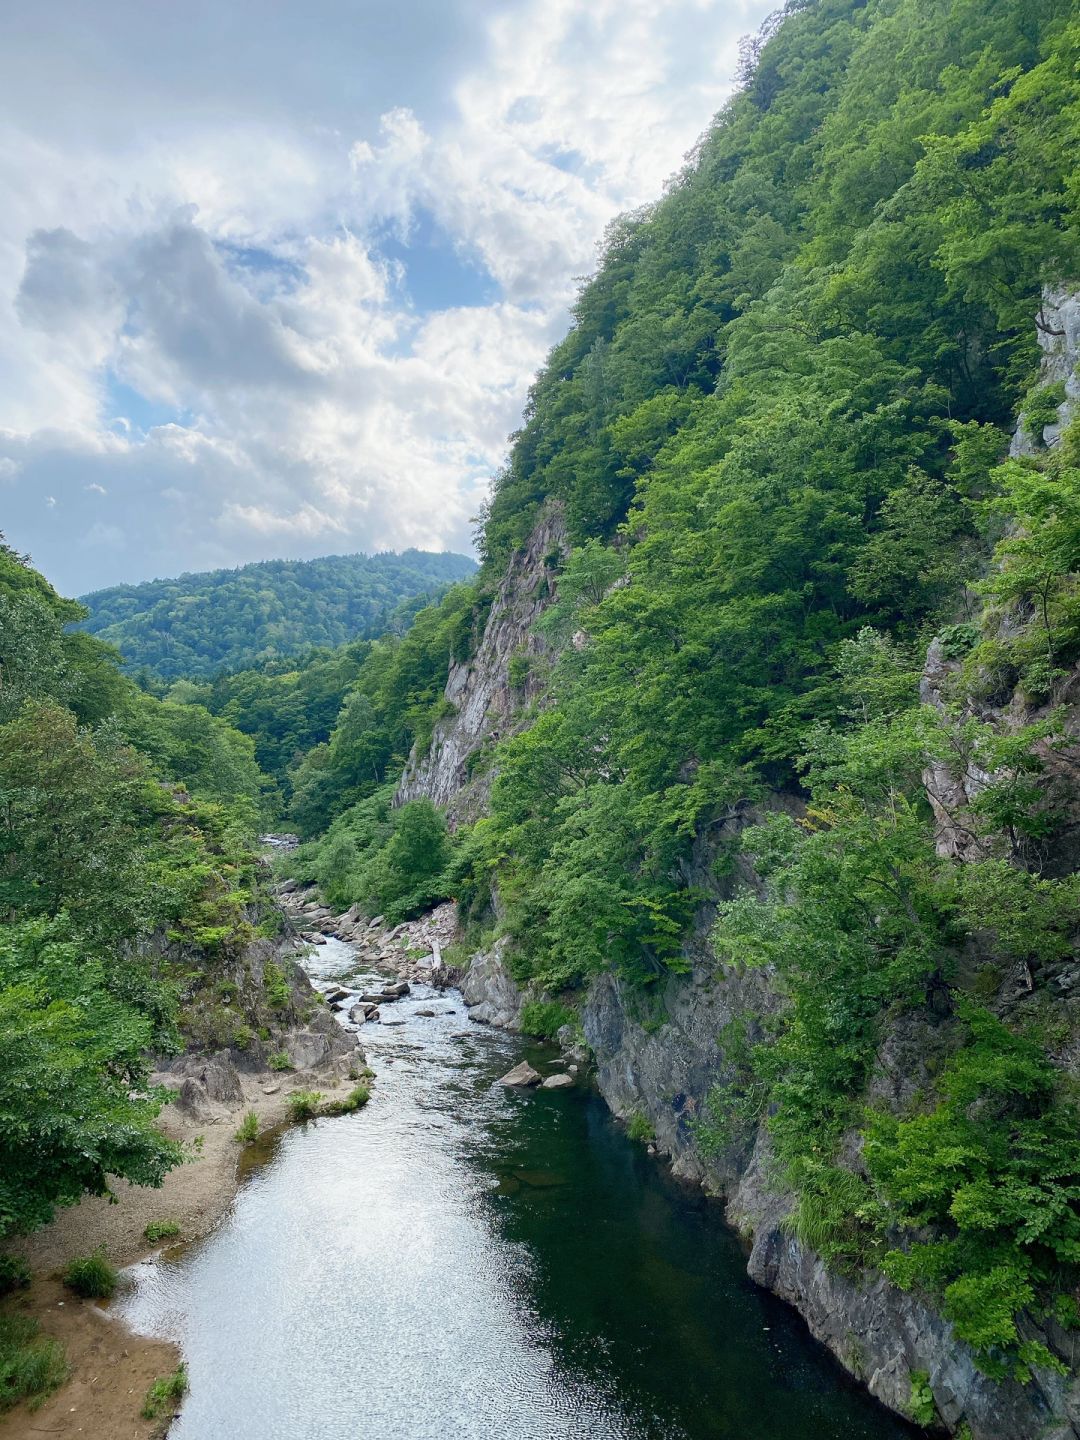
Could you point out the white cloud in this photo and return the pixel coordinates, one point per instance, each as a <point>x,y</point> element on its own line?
<point>204,332</point>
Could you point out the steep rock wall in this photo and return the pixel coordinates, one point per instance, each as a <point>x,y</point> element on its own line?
<point>485,700</point>
<point>662,1055</point>
<point>1058,330</point>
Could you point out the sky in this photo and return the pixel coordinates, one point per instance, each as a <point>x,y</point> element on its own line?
<point>275,277</point>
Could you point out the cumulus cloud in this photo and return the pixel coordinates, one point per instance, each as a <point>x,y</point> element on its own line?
<point>210,345</point>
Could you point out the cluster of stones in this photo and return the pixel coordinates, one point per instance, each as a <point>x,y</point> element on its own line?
<point>412,950</point>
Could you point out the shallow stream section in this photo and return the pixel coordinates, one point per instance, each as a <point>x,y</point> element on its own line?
<point>461,1260</point>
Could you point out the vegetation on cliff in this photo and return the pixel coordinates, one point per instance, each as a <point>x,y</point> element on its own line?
<point>777,430</point>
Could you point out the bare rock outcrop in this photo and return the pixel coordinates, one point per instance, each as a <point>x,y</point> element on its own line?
<point>486,696</point>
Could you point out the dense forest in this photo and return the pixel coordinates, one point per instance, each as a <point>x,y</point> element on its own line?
<point>197,625</point>
<point>778,432</point>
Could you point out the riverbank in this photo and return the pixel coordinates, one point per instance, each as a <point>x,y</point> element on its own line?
<point>110,1367</point>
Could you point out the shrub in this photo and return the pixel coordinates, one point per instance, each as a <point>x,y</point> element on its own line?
<point>985,1184</point>
<point>638,1127</point>
<point>248,1131</point>
<point>304,1104</point>
<point>276,986</point>
<point>14,1274</point>
<point>280,1061</point>
<point>165,1394</point>
<point>91,1276</point>
<point>544,1018</point>
<point>161,1230</point>
<point>31,1365</point>
<point>242,1037</point>
<point>517,672</point>
<point>921,1405</point>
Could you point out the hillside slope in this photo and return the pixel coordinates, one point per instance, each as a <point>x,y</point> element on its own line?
<point>762,766</point>
<point>199,624</point>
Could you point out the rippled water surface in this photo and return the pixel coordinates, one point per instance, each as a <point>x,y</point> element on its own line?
<point>459,1260</point>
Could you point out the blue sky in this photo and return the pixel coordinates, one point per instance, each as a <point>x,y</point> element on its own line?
<point>274,279</point>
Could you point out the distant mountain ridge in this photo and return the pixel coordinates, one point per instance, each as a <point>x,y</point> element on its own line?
<point>199,624</point>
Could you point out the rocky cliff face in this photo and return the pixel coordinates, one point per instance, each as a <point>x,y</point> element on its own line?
<point>662,1059</point>
<point>662,1055</point>
<point>489,691</point>
<point>1058,328</point>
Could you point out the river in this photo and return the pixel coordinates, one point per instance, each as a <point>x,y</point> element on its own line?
<point>459,1260</point>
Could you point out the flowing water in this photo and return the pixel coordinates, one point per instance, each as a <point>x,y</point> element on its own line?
<point>460,1260</point>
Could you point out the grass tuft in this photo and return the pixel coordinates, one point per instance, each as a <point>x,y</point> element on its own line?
<point>248,1132</point>
<point>165,1394</point>
<point>91,1276</point>
<point>31,1365</point>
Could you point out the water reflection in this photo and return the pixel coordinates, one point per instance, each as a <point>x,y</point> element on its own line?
<point>457,1260</point>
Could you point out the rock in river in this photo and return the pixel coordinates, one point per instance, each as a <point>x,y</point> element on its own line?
<point>521,1075</point>
<point>557,1082</point>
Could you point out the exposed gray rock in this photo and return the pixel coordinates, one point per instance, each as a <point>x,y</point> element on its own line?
<point>489,991</point>
<point>484,701</point>
<point>521,1076</point>
<point>202,1083</point>
<point>665,1070</point>
<point>1058,331</point>
<point>557,1082</point>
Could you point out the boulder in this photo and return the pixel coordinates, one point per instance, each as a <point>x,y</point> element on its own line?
<point>335,995</point>
<point>426,1013</point>
<point>521,1076</point>
<point>557,1082</point>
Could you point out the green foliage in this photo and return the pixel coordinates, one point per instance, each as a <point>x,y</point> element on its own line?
<point>14,1274</point>
<point>248,1130</point>
<point>280,1061</point>
<point>992,1172</point>
<point>165,1394</point>
<point>1041,408</point>
<point>544,1018</point>
<point>91,1276</point>
<point>1036,567</point>
<point>161,1230</point>
<point>356,1099</point>
<point>114,879</point>
<point>921,1406</point>
<point>275,986</point>
<point>517,671</point>
<point>304,1104</point>
<point>75,1108</point>
<point>392,704</point>
<point>639,1127</point>
<point>31,1365</point>
<point>390,862</point>
<point>229,619</point>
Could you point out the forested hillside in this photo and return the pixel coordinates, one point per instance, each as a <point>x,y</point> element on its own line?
<point>808,669</point>
<point>197,625</point>
<point>129,887</point>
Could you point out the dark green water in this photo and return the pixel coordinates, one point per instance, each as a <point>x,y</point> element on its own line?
<point>459,1260</point>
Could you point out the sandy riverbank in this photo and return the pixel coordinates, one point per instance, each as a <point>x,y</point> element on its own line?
<point>112,1368</point>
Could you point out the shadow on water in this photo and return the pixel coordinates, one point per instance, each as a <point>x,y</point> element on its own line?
<point>457,1260</point>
